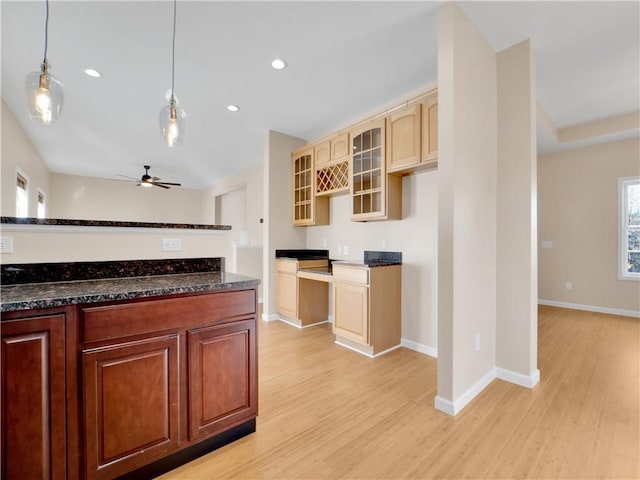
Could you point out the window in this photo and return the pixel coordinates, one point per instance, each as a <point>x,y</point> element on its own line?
<point>22,195</point>
<point>629,208</point>
<point>42,204</point>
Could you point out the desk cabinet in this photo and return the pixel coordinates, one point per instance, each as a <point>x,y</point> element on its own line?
<point>367,307</point>
<point>301,301</point>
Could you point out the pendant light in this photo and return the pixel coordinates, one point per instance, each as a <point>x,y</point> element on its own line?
<point>44,91</point>
<point>172,117</point>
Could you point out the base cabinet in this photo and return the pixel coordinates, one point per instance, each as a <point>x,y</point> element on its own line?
<point>100,391</point>
<point>33,398</point>
<point>131,400</point>
<point>367,307</point>
<point>221,366</point>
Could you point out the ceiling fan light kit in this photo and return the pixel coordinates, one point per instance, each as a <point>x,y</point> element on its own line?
<point>172,117</point>
<point>44,91</point>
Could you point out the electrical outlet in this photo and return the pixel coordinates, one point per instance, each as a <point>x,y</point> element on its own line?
<point>477,342</point>
<point>383,243</point>
<point>547,244</point>
<point>568,286</point>
<point>6,244</point>
<point>324,243</point>
<point>171,245</point>
<point>346,250</point>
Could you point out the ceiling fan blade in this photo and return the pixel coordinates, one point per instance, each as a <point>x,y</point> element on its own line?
<point>168,183</point>
<point>130,178</point>
<point>160,185</point>
<point>155,179</point>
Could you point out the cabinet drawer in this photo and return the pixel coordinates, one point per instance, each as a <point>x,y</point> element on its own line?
<point>122,320</point>
<point>351,274</point>
<point>287,266</point>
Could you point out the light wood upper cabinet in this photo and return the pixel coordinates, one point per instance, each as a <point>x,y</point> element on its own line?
<point>430,130</point>
<point>412,136</point>
<point>403,138</point>
<point>374,194</point>
<point>340,147</point>
<point>322,152</point>
<point>306,209</point>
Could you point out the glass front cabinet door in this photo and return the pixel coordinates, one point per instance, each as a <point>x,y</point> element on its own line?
<point>306,210</point>
<point>374,194</point>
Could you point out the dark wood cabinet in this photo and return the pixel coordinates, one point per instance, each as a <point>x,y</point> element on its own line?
<point>33,398</point>
<point>131,404</point>
<point>221,372</point>
<point>97,391</point>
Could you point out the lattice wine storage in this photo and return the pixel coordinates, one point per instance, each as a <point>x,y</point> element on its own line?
<point>332,179</point>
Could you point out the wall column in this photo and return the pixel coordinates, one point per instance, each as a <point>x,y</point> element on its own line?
<point>517,299</point>
<point>467,162</point>
<point>278,231</point>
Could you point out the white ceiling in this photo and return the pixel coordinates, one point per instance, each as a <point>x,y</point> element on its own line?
<point>345,59</point>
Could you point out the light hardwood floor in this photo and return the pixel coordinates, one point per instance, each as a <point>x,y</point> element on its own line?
<point>328,412</point>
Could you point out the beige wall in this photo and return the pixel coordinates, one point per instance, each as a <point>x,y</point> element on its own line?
<point>17,152</point>
<point>577,211</point>
<point>416,236</point>
<point>72,245</point>
<point>92,198</point>
<point>278,231</point>
<point>517,267</point>
<point>467,141</point>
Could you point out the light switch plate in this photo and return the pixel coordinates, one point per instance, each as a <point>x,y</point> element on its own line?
<point>6,244</point>
<point>171,245</point>
<point>547,244</point>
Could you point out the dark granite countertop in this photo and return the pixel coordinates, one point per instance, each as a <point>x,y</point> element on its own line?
<point>53,294</point>
<point>303,254</point>
<point>369,264</point>
<point>106,223</point>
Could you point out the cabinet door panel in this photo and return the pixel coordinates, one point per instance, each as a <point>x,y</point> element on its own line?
<point>322,153</point>
<point>340,146</point>
<point>350,314</point>
<point>430,129</point>
<point>222,381</point>
<point>33,398</point>
<point>131,404</point>
<point>403,138</point>
<point>287,294</point>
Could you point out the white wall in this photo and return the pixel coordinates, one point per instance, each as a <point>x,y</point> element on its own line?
<point>467,159</point>
<point>91,198</point>
<point>40,244</point>
<point>415,236</point>
<point>278,231</point>
<point>17,151</point>
<point>517,267</point>
<point>577,211</point>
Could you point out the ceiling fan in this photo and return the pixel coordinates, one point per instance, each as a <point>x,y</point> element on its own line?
<point>148,181</point>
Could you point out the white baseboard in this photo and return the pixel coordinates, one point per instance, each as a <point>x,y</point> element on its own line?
<point>591,308</point>
<point>453,408</point>
<point>528,381</point>
<point>270,317</point>
<point>419,347</point>
<point>301,327</point>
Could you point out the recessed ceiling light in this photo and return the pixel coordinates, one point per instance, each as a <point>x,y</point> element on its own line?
<point>279,64</point>
<point>233,108</point>
<point>92,72</point>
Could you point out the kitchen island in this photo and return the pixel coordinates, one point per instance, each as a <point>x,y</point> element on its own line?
<point>127,375</point>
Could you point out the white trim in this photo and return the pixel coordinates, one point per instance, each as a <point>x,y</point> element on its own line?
<point>27,190</point>
<point>385,351</point>
<point>591,308</point>
<point>40,191</point>
<point>528,381</point>
<point>453,408</point>
<point>419,347</point>
<point>300,327</point>
<point>270,317</point>
<point>27,227</point>
<point>623,274</point>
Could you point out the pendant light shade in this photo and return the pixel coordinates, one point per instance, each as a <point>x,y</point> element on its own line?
<point>172,117</point>
<point>172,124</point>
<point>44,91</point>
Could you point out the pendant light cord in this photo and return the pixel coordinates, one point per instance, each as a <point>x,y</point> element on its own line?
<point>173,49</point>
<point>46,31</point>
